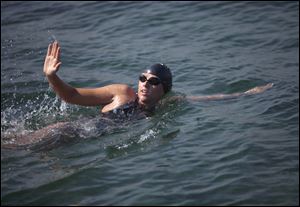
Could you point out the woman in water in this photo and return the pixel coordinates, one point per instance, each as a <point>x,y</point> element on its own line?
<point>117,100</point>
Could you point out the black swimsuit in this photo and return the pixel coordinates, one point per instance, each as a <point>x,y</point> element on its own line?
<point>128,111</point>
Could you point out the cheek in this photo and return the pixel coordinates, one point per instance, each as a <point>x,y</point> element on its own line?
<point>139,85</point>
<point>159,91</point>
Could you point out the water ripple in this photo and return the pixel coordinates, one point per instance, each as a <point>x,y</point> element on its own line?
<point>242,151</point>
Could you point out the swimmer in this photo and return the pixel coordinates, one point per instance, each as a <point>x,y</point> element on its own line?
<point>154,83</point>
<point>117,99</point>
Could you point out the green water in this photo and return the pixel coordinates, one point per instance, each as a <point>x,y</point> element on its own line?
<point>241,151</point>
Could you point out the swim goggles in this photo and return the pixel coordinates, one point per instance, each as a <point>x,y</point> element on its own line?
<point>152,81</point>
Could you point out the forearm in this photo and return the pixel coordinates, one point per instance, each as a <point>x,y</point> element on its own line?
<point>62,89</point>
<point>214,97</point>
<point>255,90</point>
<point>79,96</point>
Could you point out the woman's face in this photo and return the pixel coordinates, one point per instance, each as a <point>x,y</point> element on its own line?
<point>149,94</point>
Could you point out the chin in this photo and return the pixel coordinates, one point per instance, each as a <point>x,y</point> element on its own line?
<point>144,99</point>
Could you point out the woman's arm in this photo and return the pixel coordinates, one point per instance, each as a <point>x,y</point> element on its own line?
<point>255,90</point>
<point>111,94</point>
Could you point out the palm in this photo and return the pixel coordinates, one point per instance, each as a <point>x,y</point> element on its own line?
<point>52,60</point>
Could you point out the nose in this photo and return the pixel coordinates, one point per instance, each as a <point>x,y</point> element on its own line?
<point>146,84</point>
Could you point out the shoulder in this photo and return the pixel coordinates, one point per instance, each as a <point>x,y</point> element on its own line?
<point>122,94</point>
<point>122,89</point>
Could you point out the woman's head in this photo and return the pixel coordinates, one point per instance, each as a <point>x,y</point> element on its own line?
<point>154,83</point>
<point>163,73</point>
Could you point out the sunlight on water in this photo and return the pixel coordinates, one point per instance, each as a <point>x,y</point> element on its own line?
<point>241,151</point>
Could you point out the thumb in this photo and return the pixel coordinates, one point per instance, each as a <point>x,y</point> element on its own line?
<point>57,65</point>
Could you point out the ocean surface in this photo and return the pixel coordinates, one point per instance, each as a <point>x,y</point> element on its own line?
<point>242,151</point>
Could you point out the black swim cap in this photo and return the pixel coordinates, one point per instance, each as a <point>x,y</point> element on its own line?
<point>164,74</point>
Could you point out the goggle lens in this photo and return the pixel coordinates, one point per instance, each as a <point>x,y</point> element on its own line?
<point>152,81</point>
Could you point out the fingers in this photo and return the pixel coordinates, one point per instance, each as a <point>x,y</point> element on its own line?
<point>49,49</point>
<point>259,89</point>
<point>53,49</point>
<point>57,54</point>
<point>270,85</point>
<point>265,87</point>
<point>54,45</point>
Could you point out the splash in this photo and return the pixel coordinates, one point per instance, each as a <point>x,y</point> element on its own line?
<point>149,134</point>
<point>52,37</point>
<point>21,114</point>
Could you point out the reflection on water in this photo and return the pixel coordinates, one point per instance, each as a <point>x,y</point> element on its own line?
<point>242,151</point>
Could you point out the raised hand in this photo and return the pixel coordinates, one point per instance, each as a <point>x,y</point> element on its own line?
<point>259,89</point>
<point>52,60</point>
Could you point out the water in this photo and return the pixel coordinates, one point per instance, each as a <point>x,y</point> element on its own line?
<point>242,151</point>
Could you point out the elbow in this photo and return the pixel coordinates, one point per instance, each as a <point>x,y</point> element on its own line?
<point>66,99</point>
<point>70,97</point>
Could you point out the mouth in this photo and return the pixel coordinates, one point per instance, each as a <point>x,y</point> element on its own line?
<point>145,92</point>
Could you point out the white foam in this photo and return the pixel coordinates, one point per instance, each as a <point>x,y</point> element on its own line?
<point>147,135</point>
